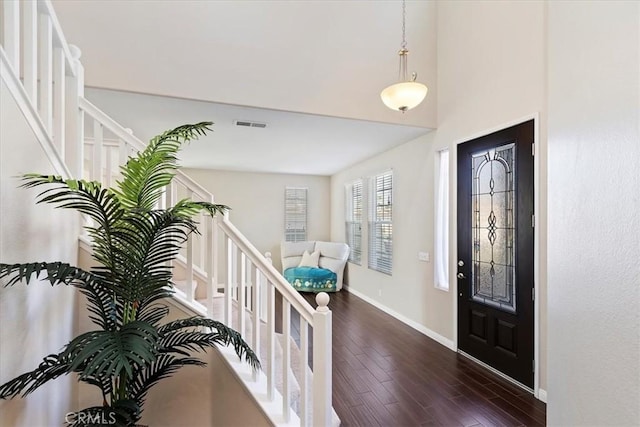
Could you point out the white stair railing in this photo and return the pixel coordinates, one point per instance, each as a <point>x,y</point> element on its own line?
<point>319,320</point>
<point>46,78</point>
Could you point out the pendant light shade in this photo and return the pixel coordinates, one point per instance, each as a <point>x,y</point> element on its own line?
<point>404,96</point>
<point>408,93</point>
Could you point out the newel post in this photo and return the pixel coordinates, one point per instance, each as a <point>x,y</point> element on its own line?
<point>74,128</point>
<point>322,366</point>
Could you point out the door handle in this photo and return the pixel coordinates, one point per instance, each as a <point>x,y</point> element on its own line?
<point>461,276</point>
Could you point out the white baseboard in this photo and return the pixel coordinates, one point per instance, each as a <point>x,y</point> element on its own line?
<point>415,325</point>
<point>542,395</point>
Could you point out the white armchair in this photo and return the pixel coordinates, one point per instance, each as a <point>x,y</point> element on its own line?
<point>332,256</point>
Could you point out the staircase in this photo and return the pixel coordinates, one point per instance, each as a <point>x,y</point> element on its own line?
<point>219,273</point>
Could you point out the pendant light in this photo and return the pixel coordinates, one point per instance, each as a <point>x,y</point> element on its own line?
<point>408,93</point>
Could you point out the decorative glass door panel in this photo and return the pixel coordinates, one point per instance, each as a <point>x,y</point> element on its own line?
<point>493,232</point>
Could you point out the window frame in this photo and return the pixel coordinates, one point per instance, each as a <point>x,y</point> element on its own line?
<point>441,221</point>
<point>354,215</point>
<point>380,222</point>
<point>292,217</point>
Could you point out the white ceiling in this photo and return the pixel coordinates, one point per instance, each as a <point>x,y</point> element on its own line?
<point>291,143</point>
<point>267,61</point>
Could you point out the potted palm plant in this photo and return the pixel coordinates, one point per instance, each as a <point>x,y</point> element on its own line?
<point>133,346</point>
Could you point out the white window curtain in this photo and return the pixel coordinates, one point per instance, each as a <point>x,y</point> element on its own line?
<point>441,256</point>
<point>295,214</point>
<point>381,223</point>
<point>353,221</point>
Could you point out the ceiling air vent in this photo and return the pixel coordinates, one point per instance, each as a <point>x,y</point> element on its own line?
<point>249,124</point>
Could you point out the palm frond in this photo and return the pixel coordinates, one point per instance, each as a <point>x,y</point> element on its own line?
<point>146,174</point>
<point>87,197</point>
<point>188,208</point>
<point>221,334</point>
<point>98,292</point>
<point>185,342</point>
<point>143,265</point>
<point>103,383</point>
<point>55,272</point>
<point>51,367</point>
<point>152,313</point>
<point>105,310</point>
<point>110,353</point>
<point>164,366</point>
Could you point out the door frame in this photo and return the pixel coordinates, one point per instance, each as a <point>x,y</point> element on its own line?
<point>453,235</point>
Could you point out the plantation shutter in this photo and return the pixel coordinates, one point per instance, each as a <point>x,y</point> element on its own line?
<point>295,214</point>
<point>353,223</point>
<point>381,223</point>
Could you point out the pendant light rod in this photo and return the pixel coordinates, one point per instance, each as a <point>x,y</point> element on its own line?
<point>408,93</point>
<point>402,72</point>
<point>403,46</point>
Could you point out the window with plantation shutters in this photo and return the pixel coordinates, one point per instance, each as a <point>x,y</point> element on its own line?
<point>353,223</point>
<point>295,214</point>
<point>381,223</point>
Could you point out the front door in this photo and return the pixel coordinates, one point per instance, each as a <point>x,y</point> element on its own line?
<point>495,250</point>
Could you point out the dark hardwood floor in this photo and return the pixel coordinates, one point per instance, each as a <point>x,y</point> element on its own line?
<point>385,373</point>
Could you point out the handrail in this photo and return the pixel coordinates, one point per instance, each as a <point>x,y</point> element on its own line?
<point>111,124</point>
<point>299,303</point>
<point>32,116</point>
<point>36,51</point>
<point>187,181</point>
<point>57,32</point>
<point>122,133</point>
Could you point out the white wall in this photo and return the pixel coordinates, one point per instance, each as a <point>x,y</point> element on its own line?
<point>491,72</point>
<point>285,55</point>
<point>257,204</point>
<point>491,63</point>
<point>36,320</point>
<point>409,290</point>
<point>594,213</point>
